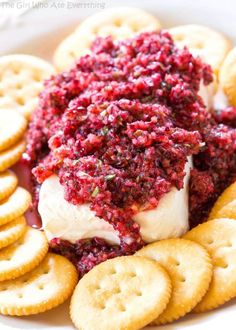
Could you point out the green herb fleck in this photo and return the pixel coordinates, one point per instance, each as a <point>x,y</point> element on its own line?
<point>110,177</point>
<point>99,163</point>
<point>138,178</point>
<point>105,130</point>
<point>103,113</point>
<point>95,192</point>
<point>147,99</point>
<point>76,161</point>
<point>104,105</point>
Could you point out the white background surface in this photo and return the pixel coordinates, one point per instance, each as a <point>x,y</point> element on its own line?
<point>38,32</point>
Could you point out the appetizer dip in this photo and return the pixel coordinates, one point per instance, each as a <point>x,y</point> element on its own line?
<point>124,151</point>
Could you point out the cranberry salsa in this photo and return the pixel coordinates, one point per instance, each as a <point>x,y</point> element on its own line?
<point>118,128</point>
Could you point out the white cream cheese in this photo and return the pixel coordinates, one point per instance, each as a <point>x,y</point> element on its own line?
<point>207,94</point>
<point>65,220</point>
<point>169,218</point>
<point>72,222</point>
<point>213,98</point>
<point>220,100</point>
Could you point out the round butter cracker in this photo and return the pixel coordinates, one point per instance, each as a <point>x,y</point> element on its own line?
<point>219,238</point>
<point>23,255</point>
<point>70,49</point>
<point>120,293</point>
<point>119,22</point>
<point>190,269</point>
<point>12,231</point>
<point>11,156</point>
<point>12,127</point>
<point>15,205</point>
<point>202,41</point>
<point>228,76</point>
<point>21,81</point>
<point>8,183</point>
<point>39,290</point>
<point>225,206</point>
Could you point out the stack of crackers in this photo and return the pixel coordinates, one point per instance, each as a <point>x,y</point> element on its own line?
<point>31,279</point>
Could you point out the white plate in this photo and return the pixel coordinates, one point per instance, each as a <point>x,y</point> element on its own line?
<point>38,32</point>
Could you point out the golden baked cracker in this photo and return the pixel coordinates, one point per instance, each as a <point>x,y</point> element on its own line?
<point>11,156</point>
<point>12,127</point>
<point>119,22</point>
<point>120,293</point>
<point>190,270</point>
<point>41,289</point>
<point>8,183</point>
<point>228,211</point>
<point>14,206</point>
<point>23,255</point>
<point>227,76</point>
<point>218,237</point>
<point>12,231</point>
<point>71,48</point>
<point>202,41</point>
<point>228,196</point>
<point>21,80</point>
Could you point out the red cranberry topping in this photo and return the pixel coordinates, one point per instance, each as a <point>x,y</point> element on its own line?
<point>215,169</point>
<point>117,129</point>
<point>86,253</point>
<point>226,116</point>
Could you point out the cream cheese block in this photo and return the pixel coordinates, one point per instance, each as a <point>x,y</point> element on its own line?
<point>73,222</point>
<point>213,97</point>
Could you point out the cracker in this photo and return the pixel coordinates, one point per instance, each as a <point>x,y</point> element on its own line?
<point>12,231</point>
<point>8,183</point>
<point>121,293</point>
<point>119,22</point>
<point>11,156</point>
<point>228,211</point>
<point>14,206</point>
<point>209,44</point>
<point>12,128</point>
<point>228,76</point>
<point>43,288</point>
<point>190,270</point>
<point>23,255</point>
<point>21,80</point>
<point>219,238</point>
<point>220,208</point>
<point>71,48</point>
